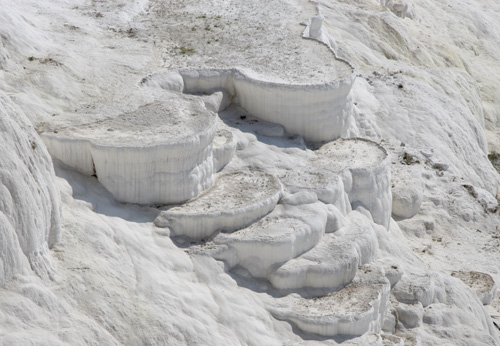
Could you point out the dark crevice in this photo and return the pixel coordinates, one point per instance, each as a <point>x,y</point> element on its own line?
<point>94,173</point>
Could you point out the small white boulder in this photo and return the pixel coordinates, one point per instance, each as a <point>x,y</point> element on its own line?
<point>407,191</point>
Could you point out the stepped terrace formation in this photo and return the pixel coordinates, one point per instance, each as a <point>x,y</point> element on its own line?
<point>303,230</point>
<point>308,232</point>
<point>159,153</point>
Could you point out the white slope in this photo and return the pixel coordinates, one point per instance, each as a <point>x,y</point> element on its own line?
<point>426,87</point>
<point>413,71</point>
<point>29,198</point>
<point>117,282</point>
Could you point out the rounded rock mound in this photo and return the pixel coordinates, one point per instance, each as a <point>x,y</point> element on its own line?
<point>327,185</point>
<point>407,191</point>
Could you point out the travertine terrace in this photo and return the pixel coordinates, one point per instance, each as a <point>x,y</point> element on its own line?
<point>240,172</point>
<point>159,153</point>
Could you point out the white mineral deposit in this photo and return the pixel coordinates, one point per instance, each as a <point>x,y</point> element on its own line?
<point>282,172</point>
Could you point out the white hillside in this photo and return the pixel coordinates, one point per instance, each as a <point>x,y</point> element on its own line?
<point>249,173</point>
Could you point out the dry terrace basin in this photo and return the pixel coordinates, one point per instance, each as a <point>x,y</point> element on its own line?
<point>159,153</point>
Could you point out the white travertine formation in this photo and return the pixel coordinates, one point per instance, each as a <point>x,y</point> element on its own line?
<point>482,283</point>
<point>224,147</point>
<point>365,170</point>
<point>407,190</point>
<point>398,7</point>
<point>327,185</point>
<point>74,152</point>
<point>410,315</point>
<point>358,308</point>
<point>393,272</point>
<point>426,289</point>
<point>284,234</point>
<point>317,112</point>
<point>333,263</point>
<point>236,200</point>
<point>218,101</point>
<point>335,219</point>
<point>118,279</point>
<point>29,199</point>
<point>160,153</point>
<point>309,94</point>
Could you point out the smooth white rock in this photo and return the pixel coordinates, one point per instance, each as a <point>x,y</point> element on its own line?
<point>218,101</point>
<point>482,283</point>
<point>390,322</point>
<point>317,112</point>
<point>448,303</point>
<point>335,220</point>
<point>407,190</point>
<point>298,198</point>
<point>393,273</point>
<point>168,80</point>
<point>328,186</point>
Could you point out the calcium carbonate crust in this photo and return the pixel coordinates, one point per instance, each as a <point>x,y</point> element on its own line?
<point>325,184</point>
<point>144,157</point>
<point>285,233</point>
<point>29,199</point>
<point>225,206</point>
<point>317,112</point>
<point>131,164</point>
<point>357,309</point>
<point>224,148</point>
<point>333,263</point>
<point>364,166</point>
